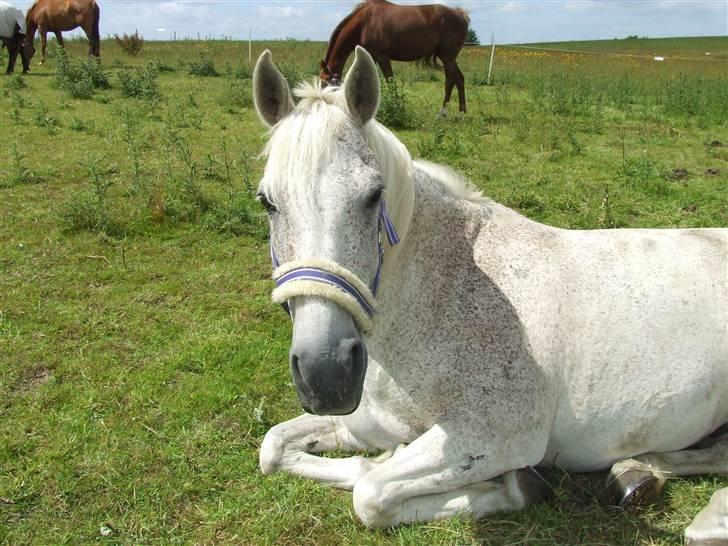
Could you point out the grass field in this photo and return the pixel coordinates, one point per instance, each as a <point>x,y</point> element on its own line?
<point>141,361</point>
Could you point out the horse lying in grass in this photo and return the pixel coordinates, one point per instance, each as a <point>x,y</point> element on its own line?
<point>390,32</point>
<point>12,36</point>
<point>494,344</point>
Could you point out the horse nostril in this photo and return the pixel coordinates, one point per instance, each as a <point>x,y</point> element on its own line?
<point>295,369</point>
<point>352,354</point>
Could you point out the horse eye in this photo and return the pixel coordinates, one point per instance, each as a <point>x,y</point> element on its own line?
<point>267,205</point>
<point>375,197</point>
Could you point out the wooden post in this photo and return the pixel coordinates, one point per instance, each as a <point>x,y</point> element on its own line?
<point>492,52</point>
<point>175,35</point>
<point>250,44</point>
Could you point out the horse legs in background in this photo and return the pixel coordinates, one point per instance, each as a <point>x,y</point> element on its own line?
<point>460,82</point>
<point>16,46</point>
<point>93,45</point>
<point>43,41</point>
<point>59,38</point>
<point>453,77</point>
<point>384,63</point>
<point>642,478</point>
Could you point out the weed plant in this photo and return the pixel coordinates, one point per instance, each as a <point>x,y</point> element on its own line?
<point>81,78</point>
<point>140,83</point>
<point>204,67</point>
<point>43,118</point>
<point>15,82</point>
<point>393,109</point>
<point>131,44</point>
<point>18,172</point>
<point>89,210</point>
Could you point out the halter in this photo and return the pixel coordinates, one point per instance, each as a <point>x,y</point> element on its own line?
<point>316,277</point>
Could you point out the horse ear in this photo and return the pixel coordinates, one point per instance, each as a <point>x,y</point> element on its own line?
<point>361,87</point>
<point>270,90</point>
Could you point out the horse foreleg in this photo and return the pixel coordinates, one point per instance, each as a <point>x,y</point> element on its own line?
<point>43,40</point>
<point>435,478</point>
<point>450,70</point>
<point>289,446</point>
<point>460,82</point>
<point>92,49</point>
<point>59,38</point>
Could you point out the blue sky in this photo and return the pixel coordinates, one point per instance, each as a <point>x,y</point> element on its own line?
<point>511,21</point>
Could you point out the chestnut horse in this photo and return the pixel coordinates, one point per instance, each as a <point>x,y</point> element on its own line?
<point>63,15</point>
<point>401,33</point>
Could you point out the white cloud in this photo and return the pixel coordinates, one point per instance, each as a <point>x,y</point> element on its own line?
<point>513,7</point>
<point>285,12</point>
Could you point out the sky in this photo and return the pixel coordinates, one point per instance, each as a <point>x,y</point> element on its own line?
<point>510,21</point>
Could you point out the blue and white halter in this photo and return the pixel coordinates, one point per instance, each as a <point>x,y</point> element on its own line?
<point>306,277</point>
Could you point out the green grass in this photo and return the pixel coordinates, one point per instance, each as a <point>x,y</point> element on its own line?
<point>141,360</point>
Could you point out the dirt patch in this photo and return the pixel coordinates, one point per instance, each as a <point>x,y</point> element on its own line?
<point>678,174</point>
<point>33,379</point>
<point>716,144</point>
<point>690,208</point>
<point>712,171</point>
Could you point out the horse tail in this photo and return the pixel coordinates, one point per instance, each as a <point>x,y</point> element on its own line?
<point>464,15</point>
<point>95,35</point>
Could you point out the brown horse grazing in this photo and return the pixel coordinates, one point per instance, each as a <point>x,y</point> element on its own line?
<point>63,15</point>
<point>401,33</point>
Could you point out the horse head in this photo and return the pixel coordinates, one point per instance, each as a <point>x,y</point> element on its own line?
<point>28,47</point>
<point>328,77</point>
<point>323,190</point>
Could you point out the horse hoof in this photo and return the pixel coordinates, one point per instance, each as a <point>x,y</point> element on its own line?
<point>533,486</point>
<point>633,487</point>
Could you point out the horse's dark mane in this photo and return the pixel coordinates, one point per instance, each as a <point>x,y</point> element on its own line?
<point>337,30</point>
<point>30,10</point>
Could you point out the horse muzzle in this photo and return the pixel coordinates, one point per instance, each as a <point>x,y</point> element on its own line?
<point>328,359</point>
<point>330,384</point>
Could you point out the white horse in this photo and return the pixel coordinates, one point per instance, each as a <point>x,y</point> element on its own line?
<point>494,344</point>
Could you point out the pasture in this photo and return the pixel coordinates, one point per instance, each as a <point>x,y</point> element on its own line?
<point>141,360</point>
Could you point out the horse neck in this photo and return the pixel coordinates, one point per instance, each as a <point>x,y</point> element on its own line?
<point>30,25</point>
<point>342,44</point>
<point>437,218</point>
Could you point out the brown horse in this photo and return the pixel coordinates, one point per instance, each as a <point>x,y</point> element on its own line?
<point>401,33</point>
<point>63,15</point>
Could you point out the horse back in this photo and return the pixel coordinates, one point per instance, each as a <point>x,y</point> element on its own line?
<point>59,16</point>
<point>407,33</point>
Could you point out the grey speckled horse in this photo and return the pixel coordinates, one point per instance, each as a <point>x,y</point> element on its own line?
<point>462,344</point>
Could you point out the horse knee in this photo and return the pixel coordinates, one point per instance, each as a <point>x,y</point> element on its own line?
<point>271,451</point>
<point>370,505</point>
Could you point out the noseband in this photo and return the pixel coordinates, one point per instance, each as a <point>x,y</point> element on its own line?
<point>316,277</point>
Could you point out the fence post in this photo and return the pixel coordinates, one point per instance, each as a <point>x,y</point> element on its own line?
<point>492,52</point>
